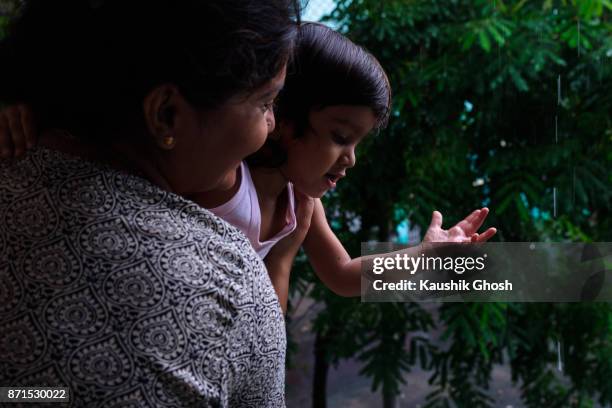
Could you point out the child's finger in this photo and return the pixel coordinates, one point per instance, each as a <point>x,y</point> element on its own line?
<point>29,126</point>
<point>474,221</point>
<point>488,234</point>
<point>436,220</point>
<point>482,216</point>
<point>469,222</point>
<point>473,217</point>
<point>6,143</point>
<point>13,115</point>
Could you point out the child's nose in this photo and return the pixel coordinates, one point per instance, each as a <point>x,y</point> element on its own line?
<point>271,121</point>
<point>348,159</point>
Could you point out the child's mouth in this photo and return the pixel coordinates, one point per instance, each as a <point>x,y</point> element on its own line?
<point>332,179</point>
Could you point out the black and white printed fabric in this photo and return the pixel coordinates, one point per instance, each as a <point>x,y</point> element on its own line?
<point>129,295</point>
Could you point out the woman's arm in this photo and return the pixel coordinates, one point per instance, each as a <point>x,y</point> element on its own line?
<point>342,275</point>
<point>17,130</point>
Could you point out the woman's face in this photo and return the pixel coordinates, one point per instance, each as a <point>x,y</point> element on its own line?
<point>318,159</point>
<point>210,145</point>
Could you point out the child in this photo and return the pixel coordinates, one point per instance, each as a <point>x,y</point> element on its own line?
<point>335,94</point>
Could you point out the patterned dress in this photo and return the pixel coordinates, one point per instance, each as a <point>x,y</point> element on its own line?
<point>129,295</point>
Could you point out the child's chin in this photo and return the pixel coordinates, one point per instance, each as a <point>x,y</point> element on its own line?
<point>319,194</point>
<point>313,191</point>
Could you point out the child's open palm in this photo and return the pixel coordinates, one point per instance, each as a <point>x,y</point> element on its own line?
<point>464,231</point>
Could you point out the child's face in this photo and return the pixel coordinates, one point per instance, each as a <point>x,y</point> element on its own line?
<point>318,159</point>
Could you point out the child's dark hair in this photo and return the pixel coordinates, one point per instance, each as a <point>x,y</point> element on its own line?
<point>85,65</point>
<point>327,69</point>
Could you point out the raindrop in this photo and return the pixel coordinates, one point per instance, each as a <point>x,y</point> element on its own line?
<point>588,79</point>
<point>555,202</point>
<point>556,128</point>
<point>420,58</point>
<point>559,90</point>
<point>578,45</point>
<point>574,188</point>
<point>559,357</point>
<point>444,65</point>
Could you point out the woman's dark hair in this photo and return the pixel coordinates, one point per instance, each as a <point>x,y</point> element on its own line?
<point>86,65</point>
<point>327,69</point>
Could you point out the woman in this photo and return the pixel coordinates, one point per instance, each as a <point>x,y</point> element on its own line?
<point>112,284</point>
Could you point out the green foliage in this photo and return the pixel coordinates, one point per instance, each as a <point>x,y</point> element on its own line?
<point>7,10</point>
<point>498,103</point>
<point>3,23</point>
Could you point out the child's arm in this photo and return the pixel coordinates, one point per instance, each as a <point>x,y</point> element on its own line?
<point>17,130</point>
<point>280,258</point>
<point>332,264</point>
<point>342,274</point>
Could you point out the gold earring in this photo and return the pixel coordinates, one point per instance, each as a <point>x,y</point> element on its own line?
<point>168,142</point>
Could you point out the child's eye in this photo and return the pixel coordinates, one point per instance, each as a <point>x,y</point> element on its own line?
<point>267,107</point>
<point>339,139</point>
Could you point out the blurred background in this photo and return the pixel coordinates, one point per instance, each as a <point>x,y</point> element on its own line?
<point>505,104</point>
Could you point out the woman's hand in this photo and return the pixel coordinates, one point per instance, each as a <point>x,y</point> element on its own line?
<point>280,258</point>
<point>464,231</point>
<point>17,130</point>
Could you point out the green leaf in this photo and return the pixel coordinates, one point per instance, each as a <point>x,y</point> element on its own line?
<point>496,35</point>
<point>468,40</point>
<point>518,6</point>
<point>485,42</point>
<point>518,79</point>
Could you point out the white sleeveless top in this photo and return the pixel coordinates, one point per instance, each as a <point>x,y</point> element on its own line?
<point>243,211</point>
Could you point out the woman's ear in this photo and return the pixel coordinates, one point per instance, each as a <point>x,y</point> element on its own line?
<point>160,108</point>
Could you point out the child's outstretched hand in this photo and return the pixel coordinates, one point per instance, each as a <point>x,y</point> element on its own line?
<point>464,231</point>
<point>17,131</point>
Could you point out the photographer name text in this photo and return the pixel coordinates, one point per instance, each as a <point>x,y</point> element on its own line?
<point>454,286</point>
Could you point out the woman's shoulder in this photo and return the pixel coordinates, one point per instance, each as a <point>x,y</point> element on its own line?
<point>108,220</point>
<point>79,194</point>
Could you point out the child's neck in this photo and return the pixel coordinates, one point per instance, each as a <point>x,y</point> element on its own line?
<point>271,187</point>
<point>269,183</point>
